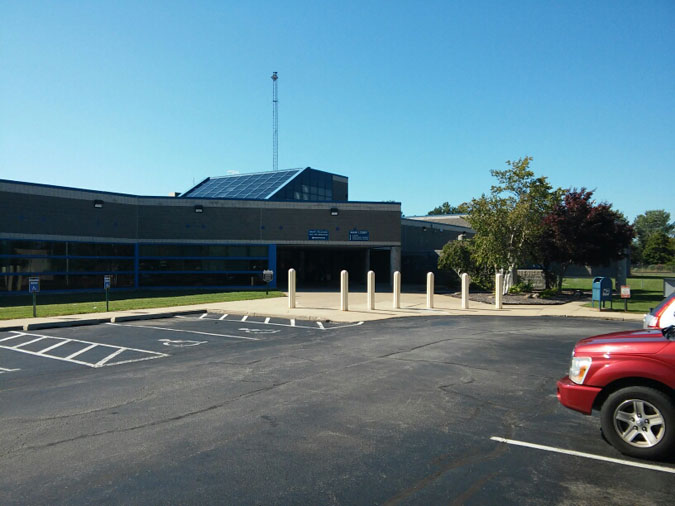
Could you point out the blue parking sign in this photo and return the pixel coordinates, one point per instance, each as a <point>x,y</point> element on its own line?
<point>33,285</point>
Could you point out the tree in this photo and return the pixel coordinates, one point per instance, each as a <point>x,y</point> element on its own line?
<point>446,208</point>
<point>659,249</point>
<point>508,221</point>
<point>457,256</point>
<point>651,222</point>
<point>579,231</point>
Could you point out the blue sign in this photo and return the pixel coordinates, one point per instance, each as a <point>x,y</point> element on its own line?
<point>33,285</point>
<point>317,235</point>
<point>359,235</point>
<point>106,282</point>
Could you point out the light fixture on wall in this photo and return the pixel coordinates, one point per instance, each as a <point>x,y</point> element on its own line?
<point>334,211</point>
<point>199,209</point>
<point>98,204</point>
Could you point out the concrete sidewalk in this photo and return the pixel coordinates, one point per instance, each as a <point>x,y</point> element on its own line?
<point>325,306</point>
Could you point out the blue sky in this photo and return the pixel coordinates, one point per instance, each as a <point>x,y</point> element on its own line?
<point>414,101</point>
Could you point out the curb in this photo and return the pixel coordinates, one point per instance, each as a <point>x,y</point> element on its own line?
<point>154,316</point>
<point>69,323</point>
<point>97,321</point>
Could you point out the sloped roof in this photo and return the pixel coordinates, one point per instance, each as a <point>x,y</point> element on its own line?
<point>259,185</point>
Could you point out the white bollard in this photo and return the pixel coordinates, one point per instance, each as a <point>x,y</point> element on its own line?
<point>499,288</point>
<point>291,288</point>
<point>371,290</point>
<point>430,290</point>
<point>344,291</point>
<point>466,281</point>
<point>397,290</point>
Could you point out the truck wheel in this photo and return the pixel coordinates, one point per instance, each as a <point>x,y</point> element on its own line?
<point>640,422</point>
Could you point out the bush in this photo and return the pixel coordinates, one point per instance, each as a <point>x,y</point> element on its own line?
<point>549,293</point>
<point>522,287</point>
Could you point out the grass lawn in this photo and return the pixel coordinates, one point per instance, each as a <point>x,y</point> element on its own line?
<point>646,291</point>
<point>21,306</point>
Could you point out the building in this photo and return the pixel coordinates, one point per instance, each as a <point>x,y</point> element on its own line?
<point>423,238</point>
<point>220,234</point>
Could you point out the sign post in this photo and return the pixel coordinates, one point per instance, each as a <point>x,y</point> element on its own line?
<point>34,288</point>
<point>106,287</point>
<point>625,295</point>
<point>268,276</point>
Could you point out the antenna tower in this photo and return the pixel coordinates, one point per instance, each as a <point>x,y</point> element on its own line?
<point>275,123</point>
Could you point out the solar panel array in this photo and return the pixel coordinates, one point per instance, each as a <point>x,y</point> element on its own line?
<point>243,186</point>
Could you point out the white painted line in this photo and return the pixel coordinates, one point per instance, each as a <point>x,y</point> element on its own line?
<point>18,334</point>
<point>585,455</point>
<point>320,325</point>
<point>41,352</point>
<point>2,369</point>
<point>244,318</point>
<point>267,320</point>
<point>83,350</point>
<point>184,331</point>
<point>154,354</point>
<point>28,342</point>
<point>292,322</point>
<point>223,317</point>
<point>109,357</point>
<point>252,322</point>
<point>203,316</point>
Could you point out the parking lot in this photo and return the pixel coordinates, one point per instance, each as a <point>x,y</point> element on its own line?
<point>257,410</point>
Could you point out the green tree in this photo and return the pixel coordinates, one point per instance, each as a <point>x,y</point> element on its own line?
<point>509,221</point>
<point>446,208</point>
<point>458,256</point>
<point>651,222</point>
<point>659,249</point>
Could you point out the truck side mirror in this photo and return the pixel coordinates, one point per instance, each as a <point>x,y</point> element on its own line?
<point>669,332</point>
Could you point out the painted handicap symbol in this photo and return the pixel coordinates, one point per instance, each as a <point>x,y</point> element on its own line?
<point>259,331</point>
<point>180,343</point>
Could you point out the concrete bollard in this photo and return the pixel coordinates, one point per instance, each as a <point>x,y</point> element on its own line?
<point>291,288</point>
<point>466,281</point>
<point>499,288</point>
<point>344,291</point>
<point>371,290</point>
<point>430,290</point>
<point>397,290</point>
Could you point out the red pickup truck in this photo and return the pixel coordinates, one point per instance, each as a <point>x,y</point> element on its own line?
<point>630,378</point>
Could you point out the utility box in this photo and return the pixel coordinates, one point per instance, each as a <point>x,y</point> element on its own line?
<point>602,292</point>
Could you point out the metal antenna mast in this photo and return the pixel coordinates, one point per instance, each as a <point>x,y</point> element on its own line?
<point>275,123</point>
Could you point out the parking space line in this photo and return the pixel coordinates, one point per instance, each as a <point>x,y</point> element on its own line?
<point>18,334</point>
<point>584,455</point>
<point>292,323</point>
<point>203,316</point>
<point>42,352</point>
<point>109,358</point>
<point>244,318</point>
<point>90,345</point>
<point>184,331</point>
<point>28,342</point>
<point>223,317</point>
<point>2,369</point>
<point>80,352</point>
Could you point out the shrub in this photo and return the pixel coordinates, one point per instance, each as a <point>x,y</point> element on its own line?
<point>522,287</point>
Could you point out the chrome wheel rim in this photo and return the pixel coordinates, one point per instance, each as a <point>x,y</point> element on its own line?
<point>639,423</point>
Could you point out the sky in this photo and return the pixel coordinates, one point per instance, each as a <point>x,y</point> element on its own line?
<point>414,101</point>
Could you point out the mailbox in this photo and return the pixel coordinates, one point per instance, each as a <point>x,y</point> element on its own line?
<point>602,292</point>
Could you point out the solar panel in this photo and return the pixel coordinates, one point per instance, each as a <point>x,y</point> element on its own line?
<point>242,186</point>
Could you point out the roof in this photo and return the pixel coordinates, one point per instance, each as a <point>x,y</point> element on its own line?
<point>458,220</point>
<point>258,185</point>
